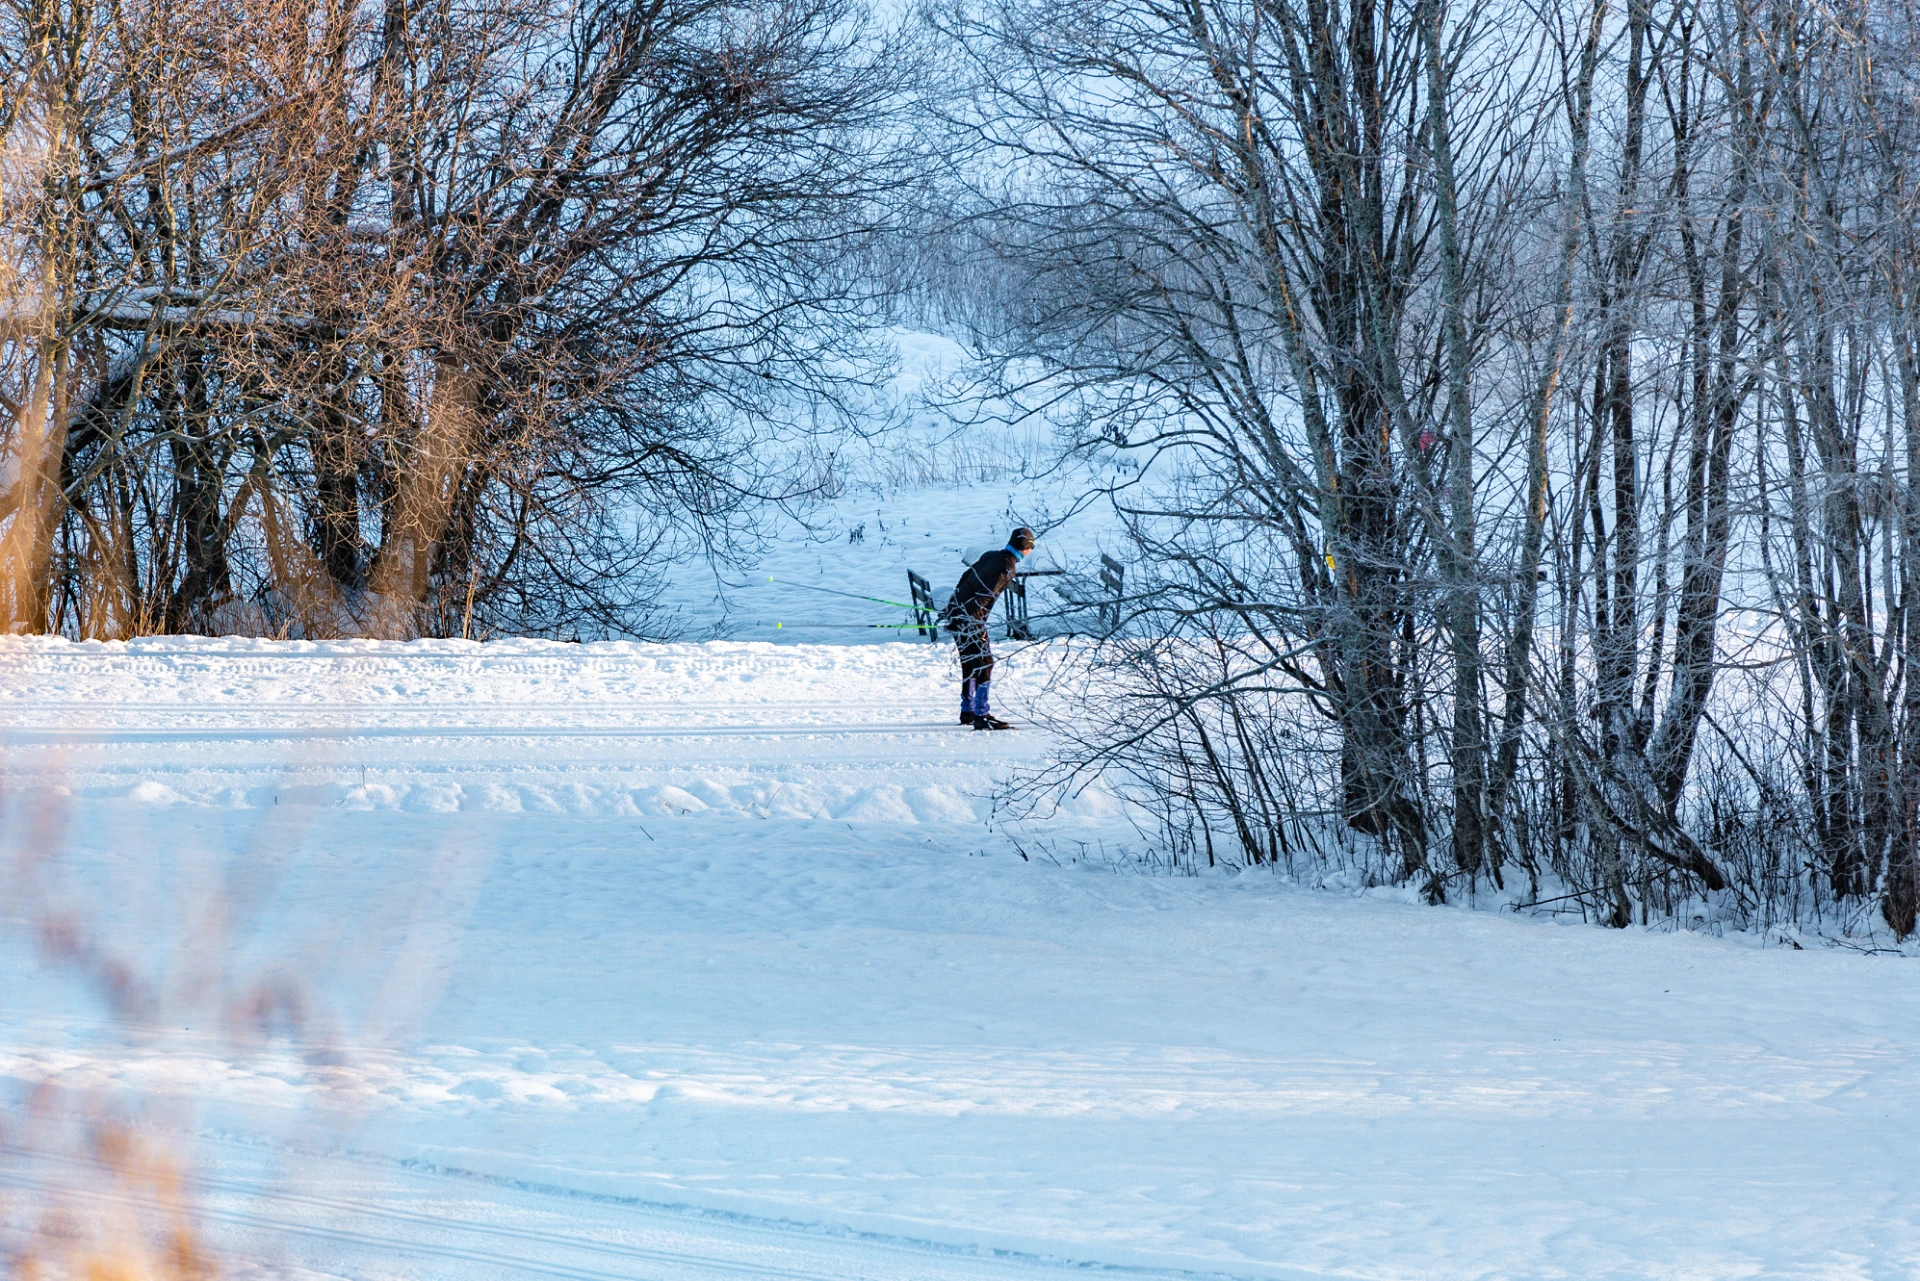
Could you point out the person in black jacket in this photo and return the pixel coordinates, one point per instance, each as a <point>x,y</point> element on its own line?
<point>966,617</point>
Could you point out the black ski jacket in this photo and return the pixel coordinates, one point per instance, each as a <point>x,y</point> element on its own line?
<point>982,584</point>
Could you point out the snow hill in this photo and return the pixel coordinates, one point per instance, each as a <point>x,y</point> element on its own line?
<point>929,493</point>
<point>443,960</point>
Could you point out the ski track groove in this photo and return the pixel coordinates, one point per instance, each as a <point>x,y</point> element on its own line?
<point>415,1249</point>
<point>1009,1263</point>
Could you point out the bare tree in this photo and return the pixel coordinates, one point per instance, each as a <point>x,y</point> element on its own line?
<point>420,318</point>
<point>1583,374</point>
<point>1266,265</point>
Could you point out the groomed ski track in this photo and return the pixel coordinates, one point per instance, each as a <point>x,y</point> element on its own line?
<point>716,961</point>
<point>506,725</point>
<point>410,1221</point>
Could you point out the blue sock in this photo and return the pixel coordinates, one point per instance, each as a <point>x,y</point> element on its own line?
<point>980,700</point>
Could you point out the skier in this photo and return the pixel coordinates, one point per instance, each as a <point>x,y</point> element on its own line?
<point>966,617</point>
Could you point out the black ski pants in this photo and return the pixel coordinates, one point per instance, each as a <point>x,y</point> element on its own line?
<point>976,655</point>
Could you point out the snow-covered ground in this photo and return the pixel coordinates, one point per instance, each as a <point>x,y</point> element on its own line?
<point>943,483</point>
<point>712,960</point>
<point>817,585</point>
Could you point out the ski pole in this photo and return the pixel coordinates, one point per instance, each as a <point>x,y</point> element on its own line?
<point>868,626</point>
<point>878,600</point>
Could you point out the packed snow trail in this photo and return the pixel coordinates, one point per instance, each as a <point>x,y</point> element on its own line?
<point>629,961</point>
<point>385,1219</point>
<point>754,729</point>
